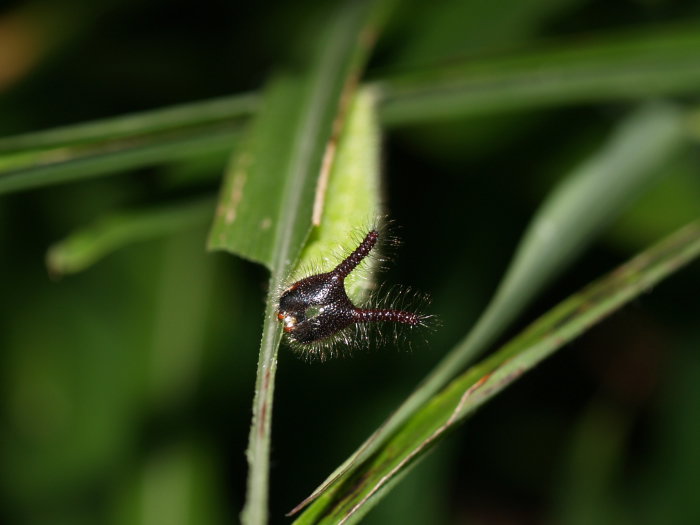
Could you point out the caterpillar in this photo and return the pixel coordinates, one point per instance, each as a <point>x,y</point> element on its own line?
<point>317,313</point>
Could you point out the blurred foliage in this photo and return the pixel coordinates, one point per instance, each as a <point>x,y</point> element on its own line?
<point>125,390</point>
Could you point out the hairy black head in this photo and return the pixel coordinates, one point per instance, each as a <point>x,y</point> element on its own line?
<point>318,307</point>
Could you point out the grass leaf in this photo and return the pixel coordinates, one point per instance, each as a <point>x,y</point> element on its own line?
<point>354,494</point>
<point>266,204</point>
<point>587,200</point>
<point>631,67</point>
<point>108,146</point>
<point>83,248</point>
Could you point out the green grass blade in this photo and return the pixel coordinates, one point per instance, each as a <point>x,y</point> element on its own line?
<point>633,67</point>
<point>85,247</point>
<point>43,167</point>
<point>170,119</point>
<point>471,389</point>
<point>636,66</point>
<point>131,141</point>
<point>251,213</point>
<point>266,204</point>
<point>447,30</point>
<point>587,200</point>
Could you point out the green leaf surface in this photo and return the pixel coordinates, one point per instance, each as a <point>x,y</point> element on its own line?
<point>352,200</point>
<point>261,175</point>
<point>631,67</point>
<point>452,28</point>
<point>266,203</point>
<point>180,117</point>
<point>26,170</point>
<point>461,397</point>
<point>85,247</point>
<point>103,147</point>
<point>636,66</point>
<point>585,202</point>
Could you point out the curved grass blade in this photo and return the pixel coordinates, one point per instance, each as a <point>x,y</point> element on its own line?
<point>184,116</point>
<point>637,66</point>
<point>107,146</point>
<point>86,246</point>
<point>42,167</point>
<point>580,207</point>
<point>461,397</point>
<point>445,30</point>
<point>266,203</point>
<point>659,62</point>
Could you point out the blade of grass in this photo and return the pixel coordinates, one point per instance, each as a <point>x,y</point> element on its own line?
<point>636,66</point>
<point>578,209</point>
<point>447,30</point>
<point>658,62</point>
<point>85,247</point>
<point>33,169</point>
<point>460,398</point>
<point>266,202</point>
<point>117,144</point>
<point>184,116</point>
<point>250,213</point>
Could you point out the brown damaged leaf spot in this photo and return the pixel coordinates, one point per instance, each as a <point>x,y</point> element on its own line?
<point>262,423</point>
<point>368,36</point>
<point>597,292</point>
<point>357,486</point>
<point>504,381</point>
<point>238,181</point>
<point>331,147</point>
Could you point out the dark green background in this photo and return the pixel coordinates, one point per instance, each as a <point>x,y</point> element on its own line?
<point>125,390</point>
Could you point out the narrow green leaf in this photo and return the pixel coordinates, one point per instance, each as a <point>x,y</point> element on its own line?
<point>445,30</point>
<point>33,169</point>
<point>86,246</point>
<point>578,209</point>
<point>634,67</point>
<point>266,203</point>
<point>461,397</point>
<point>637,66</point>
<point>184,116</point>
<point>108,146</point>
<point>259,178</point>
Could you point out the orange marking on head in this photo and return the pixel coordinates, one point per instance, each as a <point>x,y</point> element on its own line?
<point>481,381</point>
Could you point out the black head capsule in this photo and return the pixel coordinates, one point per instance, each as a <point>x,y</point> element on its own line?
<point>317,307</point>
